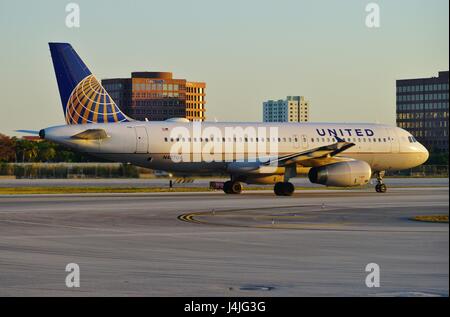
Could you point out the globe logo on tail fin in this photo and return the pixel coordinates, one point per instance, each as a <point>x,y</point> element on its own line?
<point>89,102</point>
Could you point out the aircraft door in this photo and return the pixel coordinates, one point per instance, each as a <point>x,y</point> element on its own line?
<point>394,140</point>
<point>141,139</point>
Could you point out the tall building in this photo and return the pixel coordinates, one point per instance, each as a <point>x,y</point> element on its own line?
<point>157,96</point>
<point>292,109</point>
<point>422,109</point>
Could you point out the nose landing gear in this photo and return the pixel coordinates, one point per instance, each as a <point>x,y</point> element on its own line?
<point>380,187</point>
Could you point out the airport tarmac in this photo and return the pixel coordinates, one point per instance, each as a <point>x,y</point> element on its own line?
<point>210,244</point>
<point>198,182</point>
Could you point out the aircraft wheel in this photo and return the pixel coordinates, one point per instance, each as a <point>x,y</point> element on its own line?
<point>381,188</point>
<point>227,187</point>
<point>236,188</point>
<point>288,189</point>
<point>278,189</point>
<point>283,189</point>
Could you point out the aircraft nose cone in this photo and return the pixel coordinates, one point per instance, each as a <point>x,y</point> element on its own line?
<point>424,154</point>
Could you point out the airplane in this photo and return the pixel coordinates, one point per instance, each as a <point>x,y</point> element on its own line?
<point>331,154</point>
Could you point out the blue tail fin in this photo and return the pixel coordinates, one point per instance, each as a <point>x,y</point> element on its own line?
<point>83,98</point>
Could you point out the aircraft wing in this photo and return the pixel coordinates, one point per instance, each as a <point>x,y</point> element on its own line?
<point>91,134</point>
<point>314,157</point>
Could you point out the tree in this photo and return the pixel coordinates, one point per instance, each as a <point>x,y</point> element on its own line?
<point>46,151</point>
<point>26,151</point>
<point>438,158</point>
<point>7,149</point>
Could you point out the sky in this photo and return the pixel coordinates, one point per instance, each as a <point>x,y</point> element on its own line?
<point>247,51</point>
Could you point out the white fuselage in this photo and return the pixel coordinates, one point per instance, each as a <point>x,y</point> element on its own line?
<point>151,144</point>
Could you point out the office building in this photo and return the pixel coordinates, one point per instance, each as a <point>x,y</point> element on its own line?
<point>292,109</point>
<point>422,109</point>
<point>157,96</point>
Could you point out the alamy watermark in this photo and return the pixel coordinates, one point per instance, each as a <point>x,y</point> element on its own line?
<point>73,15</point>
<point>73,278</point>
<point>225,144</point>
<point>373,278</point>
<point>373,16</point>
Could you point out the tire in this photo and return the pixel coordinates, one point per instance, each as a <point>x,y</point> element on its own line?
<point>284,189</point>
<point>288,189</point>
<point>227,187</point>
<point>278,189</point>
<point>381,188</point>
<point>236,188</point>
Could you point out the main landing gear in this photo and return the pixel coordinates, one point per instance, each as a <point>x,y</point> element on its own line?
<point>284,189</point>
<point>380,187</point>
<point>232,187</point>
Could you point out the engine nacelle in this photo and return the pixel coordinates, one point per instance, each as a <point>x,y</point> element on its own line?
<point>342,174</point>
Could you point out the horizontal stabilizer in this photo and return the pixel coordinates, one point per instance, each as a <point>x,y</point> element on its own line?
<point>28,131</point>
<point>91,134</point>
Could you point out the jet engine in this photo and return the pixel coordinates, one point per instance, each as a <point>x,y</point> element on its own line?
<point>342,174</point>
